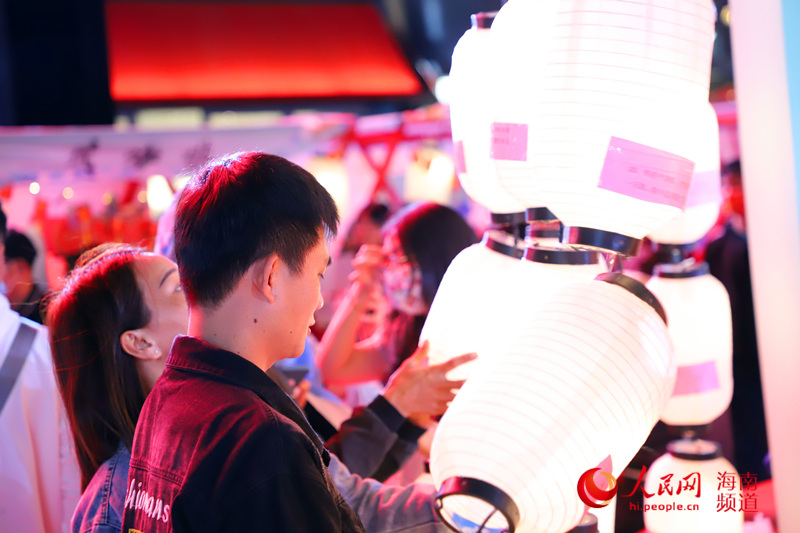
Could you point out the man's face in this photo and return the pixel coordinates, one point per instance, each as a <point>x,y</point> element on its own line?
<point>301,297</point>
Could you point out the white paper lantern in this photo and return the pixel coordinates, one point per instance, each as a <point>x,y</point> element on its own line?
<point>469,301</point>
<point>699,313</point>
<point>471,75</point>
<point>705,193</point>
<point>582,385</point>
<point>518,37</point>
<point>542,273</point>
<point>685,461</point>
<point>613,89</point>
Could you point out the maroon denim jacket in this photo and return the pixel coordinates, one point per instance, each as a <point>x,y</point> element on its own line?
<point>220,447</point>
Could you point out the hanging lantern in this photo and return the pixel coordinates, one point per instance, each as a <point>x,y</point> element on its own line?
<point>612,89</point>
<point>580,386</point>
<point>520,26</point>
<point>469,301</point>
<point>709,495</point>
<point>542,273</point>
<point>705,193</point>
<point>699,313</point>
<point>471,116</point>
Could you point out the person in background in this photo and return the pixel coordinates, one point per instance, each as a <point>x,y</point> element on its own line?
<point>24,294</point>
<point>365,230</point>
<point>728,260</point>
<point>418,245</point>
<point>39,483</point>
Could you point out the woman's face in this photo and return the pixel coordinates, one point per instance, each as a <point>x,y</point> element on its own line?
<point>162,293</point>
<point>402,278</point>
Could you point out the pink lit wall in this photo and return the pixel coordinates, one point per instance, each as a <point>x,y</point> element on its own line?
<point>767,78</point>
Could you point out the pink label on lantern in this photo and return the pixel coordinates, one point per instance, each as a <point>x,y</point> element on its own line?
<point>693,379</point>
<point>705,189</point>
<point>458,157</point>
<point>509,141</point>
<point>646,173</point>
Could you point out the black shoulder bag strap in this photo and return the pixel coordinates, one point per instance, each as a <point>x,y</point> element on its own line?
<point>15,360</point>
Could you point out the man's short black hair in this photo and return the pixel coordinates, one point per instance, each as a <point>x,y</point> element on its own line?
<point>241,208</point>
<point>19,246</point>
<point>2,225</point>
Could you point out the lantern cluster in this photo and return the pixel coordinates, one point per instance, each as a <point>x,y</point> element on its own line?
<point>594,115</point>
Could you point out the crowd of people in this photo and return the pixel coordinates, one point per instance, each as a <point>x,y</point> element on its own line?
<point>204,386</point>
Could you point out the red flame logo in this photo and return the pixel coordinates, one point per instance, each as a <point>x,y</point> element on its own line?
<point>591,494</point>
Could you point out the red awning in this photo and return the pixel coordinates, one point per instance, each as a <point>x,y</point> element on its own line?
<point>181,51</point>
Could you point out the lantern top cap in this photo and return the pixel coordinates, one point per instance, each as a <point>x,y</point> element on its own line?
<point>601,240</point>
<point>678,271</point>
<point>483,20</point>
<point>540,214</point>
<point>636,288</point>
<point>502,243</point>
<point>560,256</point>
<point>694,449</point>
<point>508,219</point>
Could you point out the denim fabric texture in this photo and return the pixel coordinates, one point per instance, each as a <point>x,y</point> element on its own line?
<point>100,507</point>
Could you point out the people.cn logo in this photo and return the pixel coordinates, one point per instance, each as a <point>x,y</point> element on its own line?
<point>591,494</point>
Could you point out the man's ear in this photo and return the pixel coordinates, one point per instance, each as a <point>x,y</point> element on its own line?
<point>265,276</point>
<point>137,343</point>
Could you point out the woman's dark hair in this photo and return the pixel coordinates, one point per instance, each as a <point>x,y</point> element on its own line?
<point>241,208</point>
<point>98,380</point>
<point>431,235</point>
<point>376,213</point>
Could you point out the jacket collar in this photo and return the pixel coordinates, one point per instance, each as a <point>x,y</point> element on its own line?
<point>190,354</point>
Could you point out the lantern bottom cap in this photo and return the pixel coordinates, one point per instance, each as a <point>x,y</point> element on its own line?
<point>601,240</point>
<point>496,499</point>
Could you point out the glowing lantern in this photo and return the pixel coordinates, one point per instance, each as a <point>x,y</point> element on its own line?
<point>612,89</point>
<point>541,273</point>
<point>699,313</point>
<point>468,302</point>
<point>706,479</point>
<point>705,193</point>
<point>471,117</point>
<point>580,386</point>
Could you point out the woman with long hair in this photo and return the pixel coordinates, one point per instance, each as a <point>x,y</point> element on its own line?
<point>111,328</point>
<point>419,243</point>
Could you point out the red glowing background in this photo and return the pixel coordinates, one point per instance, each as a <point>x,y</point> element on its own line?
<point>226,51</point>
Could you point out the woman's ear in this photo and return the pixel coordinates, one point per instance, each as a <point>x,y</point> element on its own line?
<point>265,277</point>
<point>139,344</point>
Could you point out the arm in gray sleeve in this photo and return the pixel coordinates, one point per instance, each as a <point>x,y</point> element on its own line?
<point>387,509</point>
<point>376,441</point>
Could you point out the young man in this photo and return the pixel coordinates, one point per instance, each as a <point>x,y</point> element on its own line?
<point>219,446</point>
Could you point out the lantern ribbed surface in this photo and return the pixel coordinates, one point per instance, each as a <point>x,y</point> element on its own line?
<point>699,313</point>
<point>706,463</point>
<point>468,305</point>
<point>583,382</point>
<point>705,193</point>
<point>471,74</point>
<point>614,92</point>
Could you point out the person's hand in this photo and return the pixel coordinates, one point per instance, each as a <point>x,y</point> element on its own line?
<point>419,391</point>
<point>300,392</point>
<point>366,285</point>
